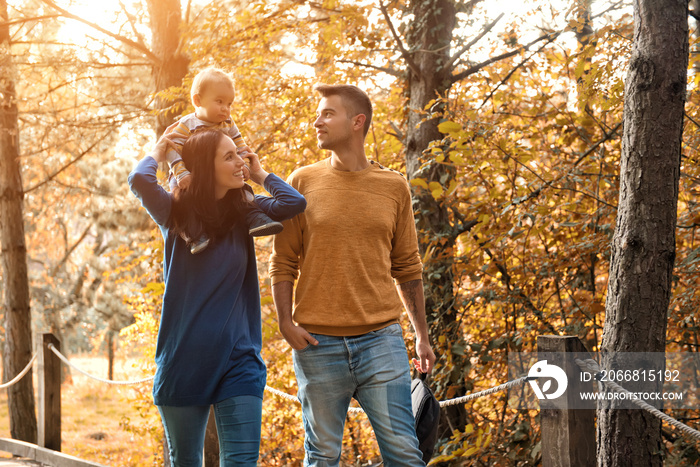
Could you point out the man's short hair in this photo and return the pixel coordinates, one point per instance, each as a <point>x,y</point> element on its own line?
<point>355,100</point>
<point>206,78</point>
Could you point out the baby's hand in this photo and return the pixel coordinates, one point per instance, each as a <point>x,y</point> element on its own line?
<point>184,182</point>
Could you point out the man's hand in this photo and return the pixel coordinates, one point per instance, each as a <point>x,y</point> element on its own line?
<point>297,336</point>
<point>411,293</point>
<point>426,358</point>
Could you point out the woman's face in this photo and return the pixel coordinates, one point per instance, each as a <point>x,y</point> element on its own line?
<point>228,168</point>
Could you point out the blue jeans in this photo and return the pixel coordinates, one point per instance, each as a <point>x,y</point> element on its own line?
<point>238,421</point>
<point>373,368</point>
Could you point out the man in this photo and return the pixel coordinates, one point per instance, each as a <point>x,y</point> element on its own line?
<point>355,240</point>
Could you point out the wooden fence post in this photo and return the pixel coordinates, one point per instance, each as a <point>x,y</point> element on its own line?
<point>49,427</point>
<point>568,435</point>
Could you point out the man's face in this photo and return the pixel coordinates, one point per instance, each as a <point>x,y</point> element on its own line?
<point>333,124</point>
<point>214,104</point>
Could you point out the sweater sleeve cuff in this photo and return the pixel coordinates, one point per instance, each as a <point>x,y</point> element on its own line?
<point>276,279</point>
<point>409,277</point>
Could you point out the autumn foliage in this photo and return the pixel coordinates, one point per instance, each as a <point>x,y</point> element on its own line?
<point>525,172</point>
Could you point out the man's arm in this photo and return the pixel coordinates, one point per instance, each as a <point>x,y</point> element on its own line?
<point>413,299</point>
<point>296,336</point>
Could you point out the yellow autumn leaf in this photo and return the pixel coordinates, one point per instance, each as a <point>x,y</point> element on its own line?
<point>456,157</point>
<point>419,182</point>
<point>436,189</point>
<point>453,186</point>
<point>449,127</point>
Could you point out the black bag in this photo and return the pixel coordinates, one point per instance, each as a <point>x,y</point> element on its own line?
<point>426,411</point>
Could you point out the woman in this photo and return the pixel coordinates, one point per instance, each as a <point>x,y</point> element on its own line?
<point>209,341</point>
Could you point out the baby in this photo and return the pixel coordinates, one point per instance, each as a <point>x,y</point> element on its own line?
<point>212,94</point>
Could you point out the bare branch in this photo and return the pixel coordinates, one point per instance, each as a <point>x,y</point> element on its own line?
<point>27,20</point>
<point>471,70</point>
<point>188,9</point>
<point>57,172</point>
<point>125,40</point>
<point>320,6</point>
<point>583,156</point>
<point>691,119</point>
<point>588,194</point>
<point>404,53</point>
<point>514,290</point>
<point>613,7</point>
<point>485,31</point>
<point>132,23</point>
<point>70,251</point>
<point>389,71</point>
<point>467,7</point>
<point>398,134</point>
<point>512,72</point>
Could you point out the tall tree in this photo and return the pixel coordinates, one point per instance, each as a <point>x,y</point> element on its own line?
<point>643,246</point>
<point>18,332</point>
<point>432,68</point>
<point>168,72</point>
<point>172,65</point>
<point>430,78</point>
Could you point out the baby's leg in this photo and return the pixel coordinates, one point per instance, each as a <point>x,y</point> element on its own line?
<point>259,223</point>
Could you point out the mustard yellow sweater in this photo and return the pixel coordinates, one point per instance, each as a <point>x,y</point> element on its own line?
<point>356,237</point>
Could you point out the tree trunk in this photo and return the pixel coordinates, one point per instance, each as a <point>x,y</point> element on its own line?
<point>695,7</point>
<point>429,78</point>
<point>17,351</point>
<point>429,37</point>
<point>643,247</point>
<point>166,22</point>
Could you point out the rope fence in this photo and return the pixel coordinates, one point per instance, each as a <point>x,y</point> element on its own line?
<point>486,392</point>
<point>107,381</point>
<point>17,378</point>
<point>588,366</point>
<point>591,366</point>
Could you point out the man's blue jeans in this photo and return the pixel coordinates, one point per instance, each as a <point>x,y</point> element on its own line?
<point>238,421</point>
<point>373,368</point>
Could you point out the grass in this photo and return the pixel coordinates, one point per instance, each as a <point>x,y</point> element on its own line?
<point>93,415</point>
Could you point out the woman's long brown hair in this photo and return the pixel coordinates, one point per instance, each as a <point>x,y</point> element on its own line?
<point>196,211</point>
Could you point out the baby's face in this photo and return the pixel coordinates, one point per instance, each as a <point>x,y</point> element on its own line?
<point>215,103</point>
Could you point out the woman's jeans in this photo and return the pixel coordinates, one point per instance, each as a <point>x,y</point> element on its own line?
<point>238,422</point>
<point>373,368</point>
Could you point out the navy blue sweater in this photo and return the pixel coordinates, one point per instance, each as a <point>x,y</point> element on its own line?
<point>210,333</point>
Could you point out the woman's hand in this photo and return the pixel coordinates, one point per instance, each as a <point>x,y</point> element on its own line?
<point>162,146</point>
<point>257,173</point>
